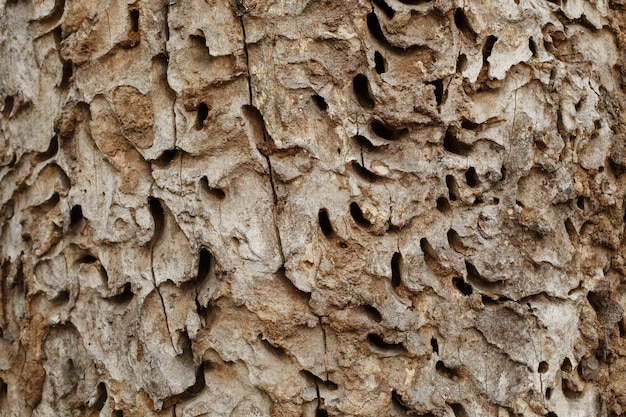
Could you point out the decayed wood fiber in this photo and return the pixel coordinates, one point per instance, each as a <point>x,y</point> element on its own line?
<point>316,208</point>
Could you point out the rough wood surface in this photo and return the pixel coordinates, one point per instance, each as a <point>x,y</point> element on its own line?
<point>312,208</point>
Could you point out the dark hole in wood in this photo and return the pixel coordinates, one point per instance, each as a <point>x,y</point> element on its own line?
<point>396,270</point>
<point>202,312</point>
<point>379,343</point>
<point>434,344</point>
<point>551,414</point>
<point>18,279</point>
<point>329,384</point>
<point>203,113</point>
<point>461,22</point>
<point>4,389</point>
<point>372,313</point>
<point>204,266</point>
<point>357,215</point>
<point>459,410</point>
<point>472,272</point>
<point>101,396</point>
<point>453,145</point>
<point>598,300</point>
<point>540,145</point>
<point>532,46</point>
<point>376,31</point>
<point>453,188</point>
<point>68,72</point>
<point>200,382</point>
<point>603,351</point>
<point>379,63</point>
<point>487,300</point>
<point>134,20</point>
<point>579,104</point>
<point>303,296</point>
<point>443,205</point>
<point>276,350</point>
<point>118,413</point>
<point>398,402</point>
<point>52,150</point>
<point>464,287</point>
<point>461,63</point>
<point>325,224</point>
<point>438,84</point>
<point>502,173</point>
<point>87,259</point>
<point>8,106</point>
<point>387,132</point>
<point>442,369</point>
<point>580,202</point>
<point>319,102</point>
<point>363,172</point>
<point>156,209</point>
<point>471,178</point>
<point>198,40</point>
<point>548,393</point>
<point>257,124</point>
<point>361,87</point>
<point>571,230</point>
<point>477,280</point>
<point>215,192</point>
<point>598,125</point>
<point>469,125</point>
<point>123,297</point>
<point>76,215</point>
<point>543,367</point>
<point>62,297</point>
<point>430,257</point>
<point>455,242</point>
<point>566,366</point>
<point>167,156</point>
<point>389,12</point>
<point>364,142</point>
<point>51,202</point>
<point>320,412</point>
<point>488,47</point>
<point>318,381</point>
<point>374,27</point>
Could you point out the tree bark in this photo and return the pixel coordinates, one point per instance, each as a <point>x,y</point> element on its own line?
<point>312,208</point>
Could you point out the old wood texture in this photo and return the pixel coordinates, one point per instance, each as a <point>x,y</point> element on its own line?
<point>312,208</point>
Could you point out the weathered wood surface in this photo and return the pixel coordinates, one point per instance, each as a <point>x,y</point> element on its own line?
<point>286,208</point>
